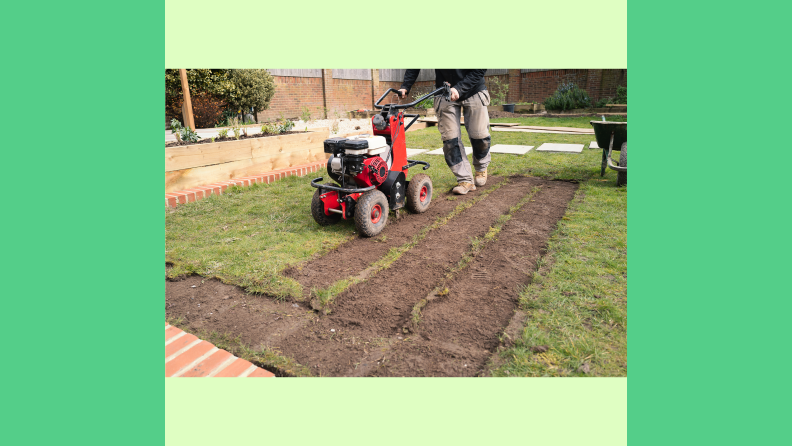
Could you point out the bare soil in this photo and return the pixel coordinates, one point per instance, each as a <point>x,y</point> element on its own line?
<point>369,331</point>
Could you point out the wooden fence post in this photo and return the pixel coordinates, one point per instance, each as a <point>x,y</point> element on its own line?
<point>188,112</point>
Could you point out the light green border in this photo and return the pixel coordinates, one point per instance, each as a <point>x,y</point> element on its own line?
<point>366,34</point>
<point>397,411</point>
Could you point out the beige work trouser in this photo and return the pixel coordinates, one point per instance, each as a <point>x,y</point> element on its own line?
<point>474,109</point>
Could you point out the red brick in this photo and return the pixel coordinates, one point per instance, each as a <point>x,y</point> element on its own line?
<point>171,201</point>
<point>190,196</point>
<point>261,373</point>
<point>177,363</point>
<point>179,344</point>
<point>182,198</point>
<point>171,332</point>
<point>234,369</point>
<point>206,366</point>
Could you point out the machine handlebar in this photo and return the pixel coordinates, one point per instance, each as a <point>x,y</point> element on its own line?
<point>444,90</point>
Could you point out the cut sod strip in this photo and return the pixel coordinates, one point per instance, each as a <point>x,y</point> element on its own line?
<point>560,148</point>
<point>468,151</point>
<point>514,150</point>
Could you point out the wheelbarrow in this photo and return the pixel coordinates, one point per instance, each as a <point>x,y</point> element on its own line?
<point>612,136</point>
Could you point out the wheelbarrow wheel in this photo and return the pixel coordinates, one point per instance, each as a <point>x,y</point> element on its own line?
<point>621,177</point>
<point>317,209</point>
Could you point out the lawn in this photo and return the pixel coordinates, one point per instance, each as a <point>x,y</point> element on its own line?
<point>575,305</point>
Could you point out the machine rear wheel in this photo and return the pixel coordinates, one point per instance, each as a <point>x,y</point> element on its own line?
<point>621,177</point>
<point>317,209</point>
<point>419,193</point>
<point>371,213</point>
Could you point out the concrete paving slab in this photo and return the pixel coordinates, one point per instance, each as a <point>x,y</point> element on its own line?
<point>593,145</point>
<point>560,148</point>
<point>510,129</point>
<point>468,151</point>
<point>413,152</point>
<point>512,149</point>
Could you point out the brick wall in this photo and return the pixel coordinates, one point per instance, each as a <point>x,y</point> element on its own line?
<point>343,95</point>
<point>538,85</point>
<point>291,95</point>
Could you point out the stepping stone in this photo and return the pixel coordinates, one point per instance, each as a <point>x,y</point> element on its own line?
<point>512,129</point>
<point>593,145</point>
<point>514,150</point>
<point>503,124</point>
<point>560,148</point>
<point>468,151</point>
<point>413,152</point>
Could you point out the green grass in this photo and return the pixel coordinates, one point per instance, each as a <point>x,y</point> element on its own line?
<point>581,122</point>
<point>577,301</point>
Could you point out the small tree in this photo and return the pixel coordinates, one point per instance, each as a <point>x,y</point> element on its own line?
<point>252,89</point>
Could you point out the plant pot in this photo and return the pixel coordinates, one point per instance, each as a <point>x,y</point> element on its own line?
<point>509,108</point>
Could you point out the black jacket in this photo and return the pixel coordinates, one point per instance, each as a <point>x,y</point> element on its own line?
<point>466,82</point>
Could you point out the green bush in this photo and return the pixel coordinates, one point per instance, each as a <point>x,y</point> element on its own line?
<point>621,95</point>
<point>568,96</point>
<point>252,89</point>
<point>499,92</point>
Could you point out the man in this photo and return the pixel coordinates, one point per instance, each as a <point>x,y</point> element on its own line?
<point>468,93</point>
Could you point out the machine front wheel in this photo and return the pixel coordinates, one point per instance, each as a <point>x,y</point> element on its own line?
<point>317,209</point>
<point>371,213</point>
<point>419,193</point>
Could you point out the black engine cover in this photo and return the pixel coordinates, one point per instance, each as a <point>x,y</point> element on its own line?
<point>394,187</point>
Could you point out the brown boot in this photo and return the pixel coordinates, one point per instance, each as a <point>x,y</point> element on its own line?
<point>481,178</point>
<point>463,188</point>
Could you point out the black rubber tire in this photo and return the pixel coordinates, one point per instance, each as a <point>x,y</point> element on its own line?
<point>414,203</point>
<point>621,177</point>
<point>317,209</point>
<point>364,217</point>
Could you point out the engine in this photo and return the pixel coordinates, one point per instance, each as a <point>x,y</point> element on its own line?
<point>358,160</point>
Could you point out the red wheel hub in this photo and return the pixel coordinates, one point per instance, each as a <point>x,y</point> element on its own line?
<point>424,193</point>
<point>376,213</point>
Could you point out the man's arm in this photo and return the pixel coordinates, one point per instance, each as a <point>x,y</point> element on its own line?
<point>409,79</point>
<point>470,80</point>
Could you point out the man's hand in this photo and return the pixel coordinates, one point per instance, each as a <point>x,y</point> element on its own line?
<point>402,93</point>
<point>454,94</point>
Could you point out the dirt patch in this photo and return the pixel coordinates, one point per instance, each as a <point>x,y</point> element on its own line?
<point>351,258</point>
<point>365,334</point>
<point>212,305</point>
<point>481,300</point>
<point>205,140</point>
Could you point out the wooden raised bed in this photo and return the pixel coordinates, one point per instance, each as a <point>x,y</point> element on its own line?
<point>195,165</point>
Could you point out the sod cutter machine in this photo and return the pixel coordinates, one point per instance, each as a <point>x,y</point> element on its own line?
<point>371,172</point>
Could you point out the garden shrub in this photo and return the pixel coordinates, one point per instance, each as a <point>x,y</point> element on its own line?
<point>621,95</point>
<point>252,89</point>
<point>499,92</point>
<point>568,96</point>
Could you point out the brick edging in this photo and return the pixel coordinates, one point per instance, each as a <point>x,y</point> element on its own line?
<point>188,356</point>
<point>173,199</point>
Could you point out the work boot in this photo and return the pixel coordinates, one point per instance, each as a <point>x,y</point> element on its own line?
<point>463,188</point>
<point>481,178</point>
